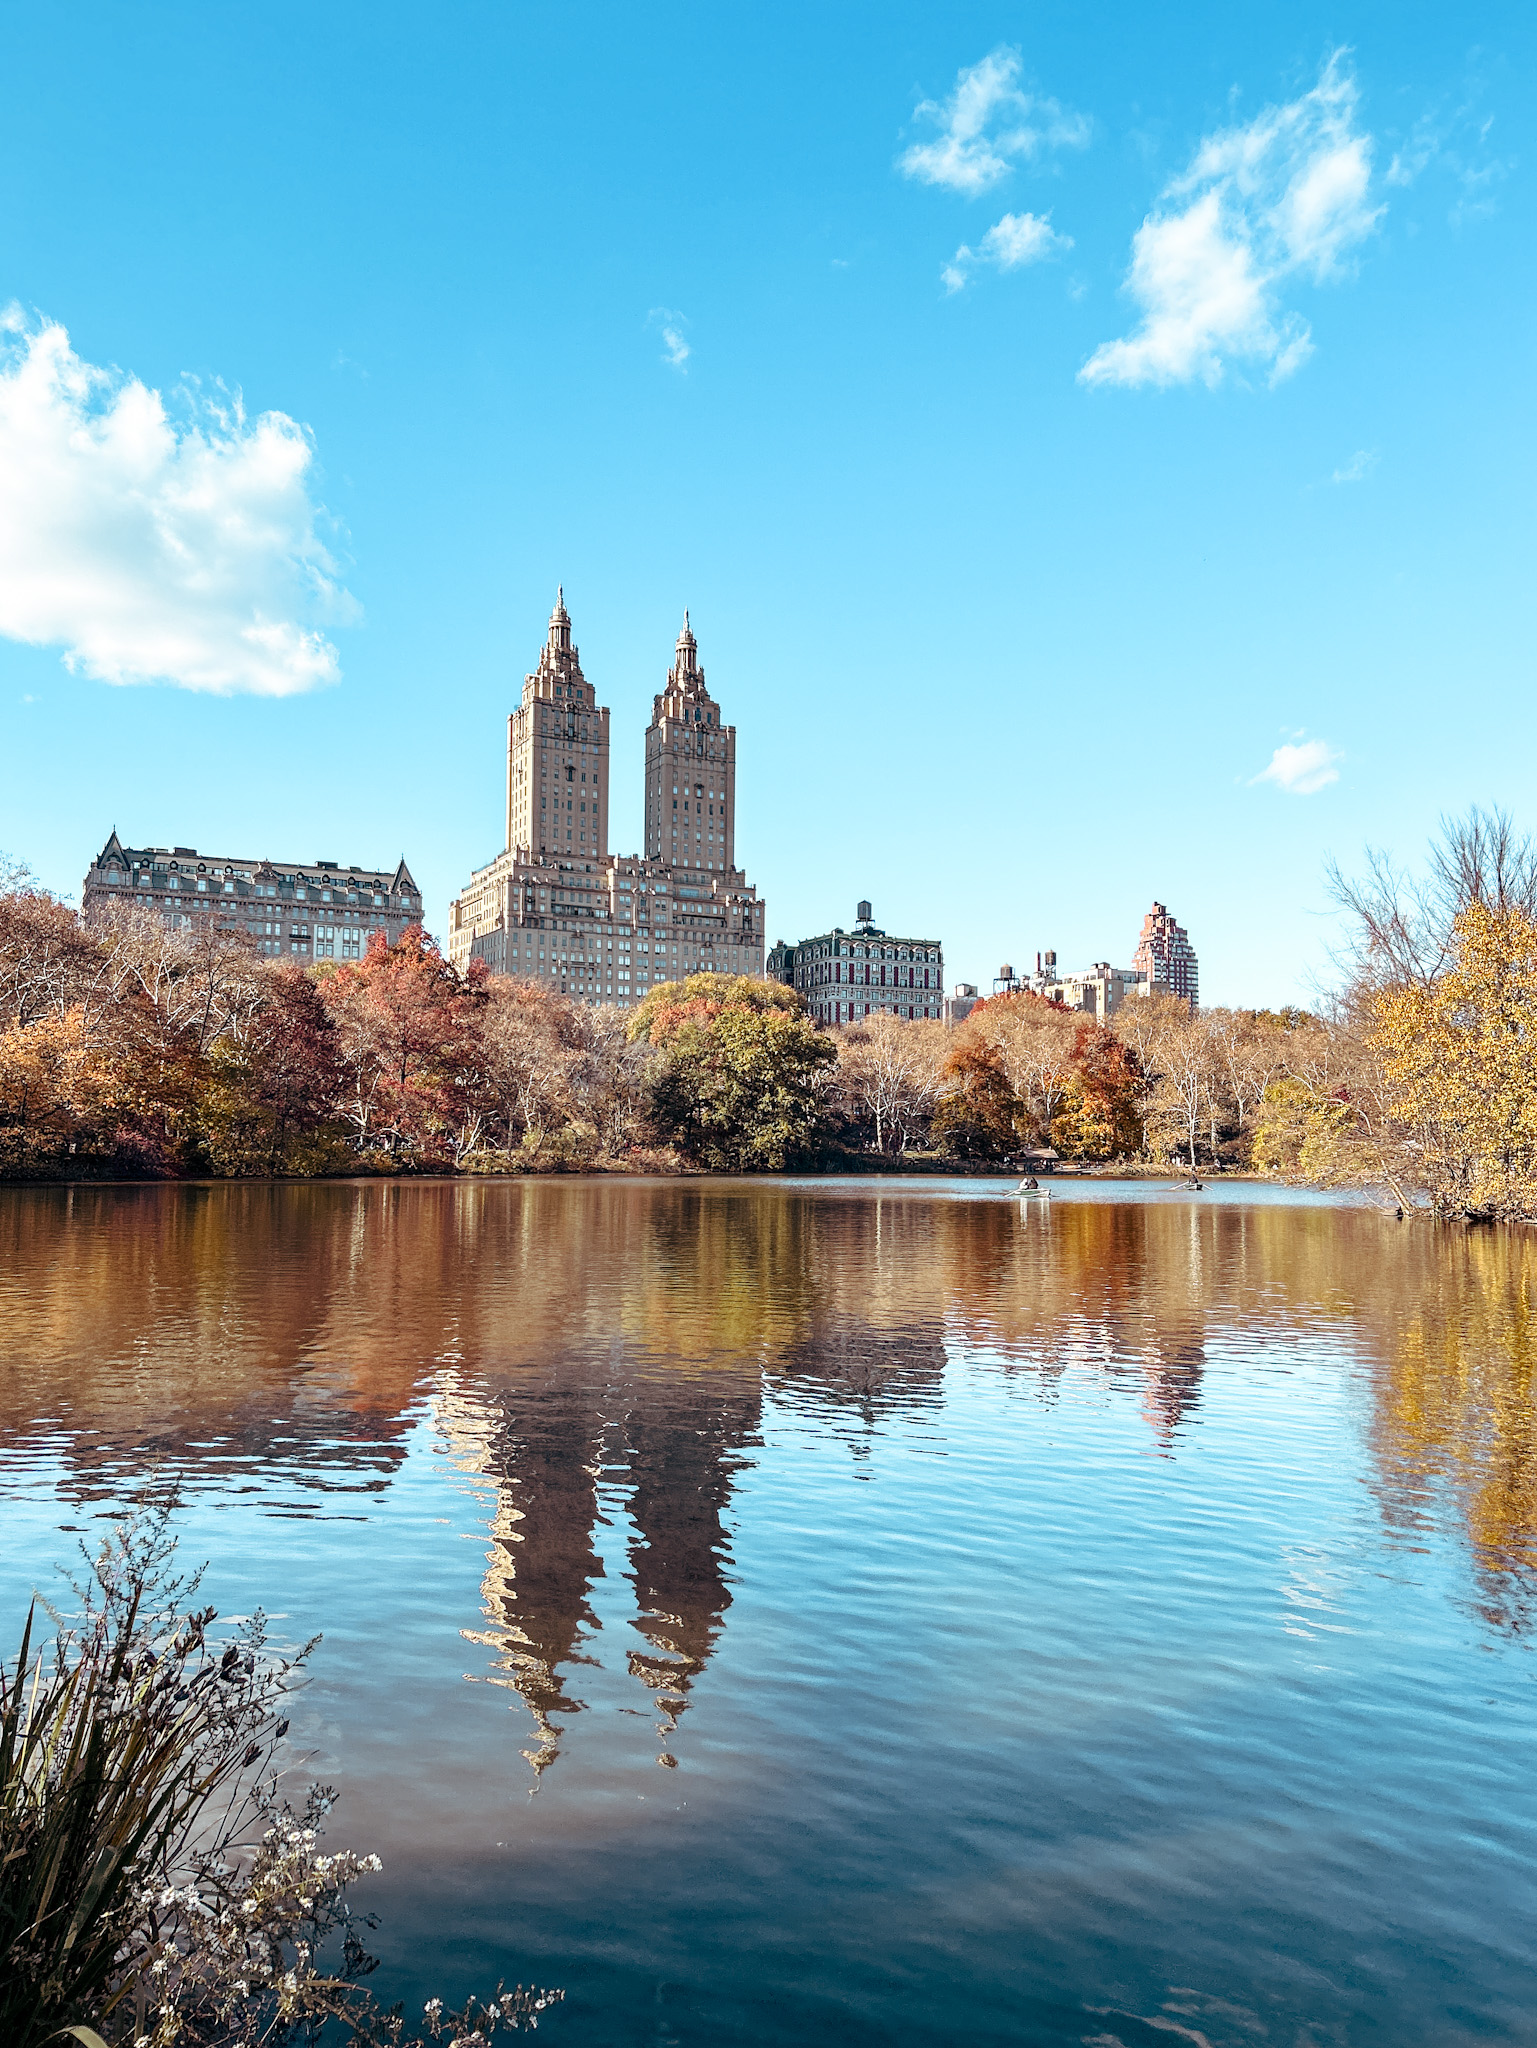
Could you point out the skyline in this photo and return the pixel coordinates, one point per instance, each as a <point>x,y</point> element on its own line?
<point>1095,439</point>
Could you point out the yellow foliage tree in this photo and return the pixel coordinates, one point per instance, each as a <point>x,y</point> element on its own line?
<point>1460,1062</point>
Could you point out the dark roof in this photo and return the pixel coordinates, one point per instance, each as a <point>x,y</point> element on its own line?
<point>115,854</point>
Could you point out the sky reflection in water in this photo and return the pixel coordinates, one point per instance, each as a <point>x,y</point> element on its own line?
<point>823,1612</point>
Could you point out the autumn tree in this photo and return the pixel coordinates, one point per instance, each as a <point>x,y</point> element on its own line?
<point>1099,1116</point>
<point>1033,1040</point>
<point>1422,1078</point>
<point>271,1105</point>
<point>404,1025</point>
<point>977,1110</point>
<point>559,1080</point>
<point>737,1073</point>
<point>1251,1048</point>
<point>1401,928</point>
<point>49,962</point>
<point>888,1077</point>
<point>1460,1060</point>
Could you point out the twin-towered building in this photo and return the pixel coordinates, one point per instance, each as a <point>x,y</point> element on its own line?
<point>555,904</point>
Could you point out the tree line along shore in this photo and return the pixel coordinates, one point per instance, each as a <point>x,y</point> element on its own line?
<point>129,1050</point>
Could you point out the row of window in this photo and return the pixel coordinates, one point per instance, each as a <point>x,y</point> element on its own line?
<point>849,949</point>
<point>854,1013</point>
<point>896,977</point>
<point>145,878</point>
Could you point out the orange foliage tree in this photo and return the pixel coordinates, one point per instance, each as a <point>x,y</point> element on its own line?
<point>405,1034</point>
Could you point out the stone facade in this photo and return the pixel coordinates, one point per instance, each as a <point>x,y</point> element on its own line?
<point>1098,991</point>
<point>690,756</point>
<point>1165,958</point>
<point>846,975</point>
<point>308,910</point>
<point>555,905</point>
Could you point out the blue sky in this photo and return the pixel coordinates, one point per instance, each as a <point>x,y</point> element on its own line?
<point>1046,416</point>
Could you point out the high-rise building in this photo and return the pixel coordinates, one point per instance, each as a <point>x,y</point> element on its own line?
<point>307,910</point>
<point>555,904</point>
<point>703,832</point>
<point>557,753</point>
<point>1165,958</point>
<point>844,976</point>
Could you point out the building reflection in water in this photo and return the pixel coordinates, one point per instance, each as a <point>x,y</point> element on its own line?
<point>598,1346</point>
<point>681,1461</point>
<point>543,1456</point>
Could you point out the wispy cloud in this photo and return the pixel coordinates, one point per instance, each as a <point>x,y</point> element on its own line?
<point>675,348</point>
<point>1017,239</point>
<point>1286,196</point>
<point>1301,767</point>
<point>987,125</point>
<point>1357,469</point>
<point>1454,138</point>
<point>152,547</point>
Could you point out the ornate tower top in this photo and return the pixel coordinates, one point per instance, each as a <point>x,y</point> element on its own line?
<point>690,769</point>
<point>560,623</point>
<point>559,673</point>
<point>686,674</point>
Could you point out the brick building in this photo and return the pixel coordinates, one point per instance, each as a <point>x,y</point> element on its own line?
<point>1165,958</point>
<point>847,975</point>
<point>310,910</point>
<point>1164,964</point>
<point>555,904</point>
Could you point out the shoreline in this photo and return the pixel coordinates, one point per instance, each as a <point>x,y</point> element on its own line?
<point>875,1169</point>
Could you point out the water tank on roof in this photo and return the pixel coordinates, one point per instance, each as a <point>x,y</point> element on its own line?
<point>862,912</point>
<point>1005,972</point>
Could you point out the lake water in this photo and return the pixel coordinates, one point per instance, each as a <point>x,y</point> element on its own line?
<point>814,1612</point>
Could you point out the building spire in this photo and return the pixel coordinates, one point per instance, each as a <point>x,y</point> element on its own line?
<point>560,622</point>
<point>686,663</point>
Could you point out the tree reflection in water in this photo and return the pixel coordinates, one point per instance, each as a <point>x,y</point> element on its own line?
<point>582,1335</point>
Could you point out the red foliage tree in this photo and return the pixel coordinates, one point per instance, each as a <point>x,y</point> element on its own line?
<point>404,1023</point>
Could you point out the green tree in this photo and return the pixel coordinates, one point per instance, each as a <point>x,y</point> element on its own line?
<point>738,1080</point>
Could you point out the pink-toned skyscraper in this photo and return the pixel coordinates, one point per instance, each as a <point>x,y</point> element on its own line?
<point>1165,958</point>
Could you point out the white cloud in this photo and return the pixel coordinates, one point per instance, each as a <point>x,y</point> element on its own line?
<point>675,348</point>
<point>985,125</point>
<point>1302,768</point>
<point>1010,243</point>
<point>1357,469</point>
<point>1287,196</point>
<point>152,548</point>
